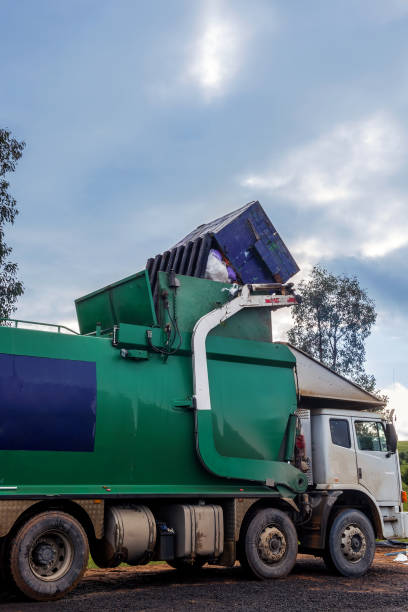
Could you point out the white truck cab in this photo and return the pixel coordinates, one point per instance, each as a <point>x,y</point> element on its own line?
<point>350,452</point>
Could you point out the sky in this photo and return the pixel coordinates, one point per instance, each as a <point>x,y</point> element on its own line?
<point>143,120</point>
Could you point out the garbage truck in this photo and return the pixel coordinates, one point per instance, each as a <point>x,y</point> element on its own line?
<point>174,429</point>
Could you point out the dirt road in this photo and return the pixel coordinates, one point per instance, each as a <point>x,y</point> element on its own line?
<point>159,587</point>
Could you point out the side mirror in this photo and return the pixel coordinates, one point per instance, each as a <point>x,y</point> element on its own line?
<point>392,437</point>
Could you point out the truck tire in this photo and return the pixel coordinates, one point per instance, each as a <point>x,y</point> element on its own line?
<point>269,544</point>
<point>351,544</point>
<point>48,556</point>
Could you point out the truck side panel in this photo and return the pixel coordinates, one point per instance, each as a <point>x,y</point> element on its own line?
<point>143,440</point>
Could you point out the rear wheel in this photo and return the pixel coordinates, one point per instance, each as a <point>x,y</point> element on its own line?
<point>48,556</point>
<point>351,544</point>
<point>269,545</point>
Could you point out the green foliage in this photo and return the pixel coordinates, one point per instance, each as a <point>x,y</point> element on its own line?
<point>403,457</point>
<point>404,474</point>
<point>10,288</point>
<point>332,323</point>
<point>403,446</point>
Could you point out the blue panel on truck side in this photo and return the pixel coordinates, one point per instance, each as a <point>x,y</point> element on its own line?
<point>47,404</point>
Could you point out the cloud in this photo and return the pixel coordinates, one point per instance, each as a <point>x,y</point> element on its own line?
<point>344,180</point>
<point>393,239</point>
<point>281,323</point>
<point>70,324</point>
<point>398,395</point>
<point>337,166</point>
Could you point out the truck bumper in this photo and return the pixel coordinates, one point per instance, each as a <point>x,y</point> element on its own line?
<point>397,527</point>
<point>404,516</point>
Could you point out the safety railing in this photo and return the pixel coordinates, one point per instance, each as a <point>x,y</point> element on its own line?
<point>18,322</point>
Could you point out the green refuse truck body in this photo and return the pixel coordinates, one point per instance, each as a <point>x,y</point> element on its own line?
<point>178,434</point>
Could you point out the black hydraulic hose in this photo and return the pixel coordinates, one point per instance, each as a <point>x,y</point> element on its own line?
<point>171,337</point>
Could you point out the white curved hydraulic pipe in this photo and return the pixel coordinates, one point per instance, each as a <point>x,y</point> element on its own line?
<point>202,328</point>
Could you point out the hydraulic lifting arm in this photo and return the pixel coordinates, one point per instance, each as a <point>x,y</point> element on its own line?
<point>270,473</point>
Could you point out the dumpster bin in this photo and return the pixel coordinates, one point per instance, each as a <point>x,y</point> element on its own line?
<point>245,239</point>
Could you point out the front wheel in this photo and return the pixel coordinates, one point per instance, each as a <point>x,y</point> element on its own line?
<point>269,546</point>
<point>351,544</point>
<point>48,556</point>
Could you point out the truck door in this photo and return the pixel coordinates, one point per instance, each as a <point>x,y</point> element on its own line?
<point>377,472</point>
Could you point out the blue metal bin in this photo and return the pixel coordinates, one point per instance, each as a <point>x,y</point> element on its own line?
<point>246,237</point>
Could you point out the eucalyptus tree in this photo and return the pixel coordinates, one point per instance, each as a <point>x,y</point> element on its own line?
<point>10,287</point>
<point>333,322</point>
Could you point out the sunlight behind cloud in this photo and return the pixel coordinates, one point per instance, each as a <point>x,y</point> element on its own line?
<point>215,61</point>
<point>217,51</point>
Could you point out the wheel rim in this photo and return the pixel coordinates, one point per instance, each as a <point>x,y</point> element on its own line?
<point>51,555</point>
<point>353,543</point>
<point>271,544</point>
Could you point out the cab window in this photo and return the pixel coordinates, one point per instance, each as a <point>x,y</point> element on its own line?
<point>340,433</point>
<point>370,436</point>
<point>383,439</point>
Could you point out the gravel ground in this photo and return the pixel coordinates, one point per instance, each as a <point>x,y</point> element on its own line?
<point>159,587</point>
